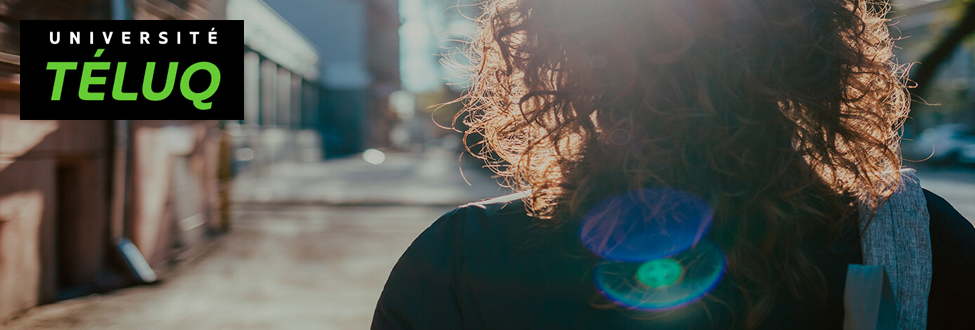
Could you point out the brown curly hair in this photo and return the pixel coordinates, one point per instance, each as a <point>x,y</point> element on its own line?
<point>783,114</point>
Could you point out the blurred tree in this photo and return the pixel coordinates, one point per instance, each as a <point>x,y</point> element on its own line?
<point>924,73</point>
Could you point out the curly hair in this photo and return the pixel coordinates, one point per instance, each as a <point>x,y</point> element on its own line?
<point>783,114</point>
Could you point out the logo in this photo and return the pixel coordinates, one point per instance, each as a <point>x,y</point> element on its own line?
<point>132,70</point>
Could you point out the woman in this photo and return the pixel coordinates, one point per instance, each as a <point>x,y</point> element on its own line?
<point>685,164</point>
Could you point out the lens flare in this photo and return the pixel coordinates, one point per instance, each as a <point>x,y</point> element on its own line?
<point>646,224</point>
<point>663,284</point>
<point>659,273</point>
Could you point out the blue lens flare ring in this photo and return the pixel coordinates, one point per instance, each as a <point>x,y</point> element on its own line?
<point>645,224</point>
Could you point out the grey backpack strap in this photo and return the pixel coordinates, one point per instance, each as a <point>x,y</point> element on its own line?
<point>898,239</point>
<point>868,299</point>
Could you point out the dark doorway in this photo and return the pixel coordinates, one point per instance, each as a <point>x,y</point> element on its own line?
<point>67,216</point>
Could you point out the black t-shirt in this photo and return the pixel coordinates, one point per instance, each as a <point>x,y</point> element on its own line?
<point>490,266</point>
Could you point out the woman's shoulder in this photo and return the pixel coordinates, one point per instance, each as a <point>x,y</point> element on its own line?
<point>507,209</point>
<point>478,227</point>
<point>484,227</point>
<point>465,263</point>
<point>953,277</point>
<point>951,229</point>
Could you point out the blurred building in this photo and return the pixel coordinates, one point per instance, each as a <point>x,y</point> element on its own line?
<point>281,91</point>
<point>359,43</point>
<point>70,191</point>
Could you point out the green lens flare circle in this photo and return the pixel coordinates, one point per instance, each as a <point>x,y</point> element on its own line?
<point>659,273</point>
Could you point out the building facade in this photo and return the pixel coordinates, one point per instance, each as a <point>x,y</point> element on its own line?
<point>281,91</point>
<point>359,45</point>
<point>72,191</point>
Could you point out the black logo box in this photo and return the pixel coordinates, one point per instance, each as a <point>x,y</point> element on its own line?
<point>37,82</point>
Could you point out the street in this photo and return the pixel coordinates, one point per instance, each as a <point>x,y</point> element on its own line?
<point>312,244</point>
<point>281,268</point>
<point>310,248</point>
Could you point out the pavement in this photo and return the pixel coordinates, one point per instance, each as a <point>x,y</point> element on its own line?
<point>311,246</point>
<point>437,177</point>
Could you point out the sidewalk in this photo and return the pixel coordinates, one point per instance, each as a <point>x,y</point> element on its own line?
<point>310,248</point>
<point>435,178</point>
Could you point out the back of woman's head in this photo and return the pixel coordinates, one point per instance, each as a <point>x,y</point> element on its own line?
<point>782,114</point>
